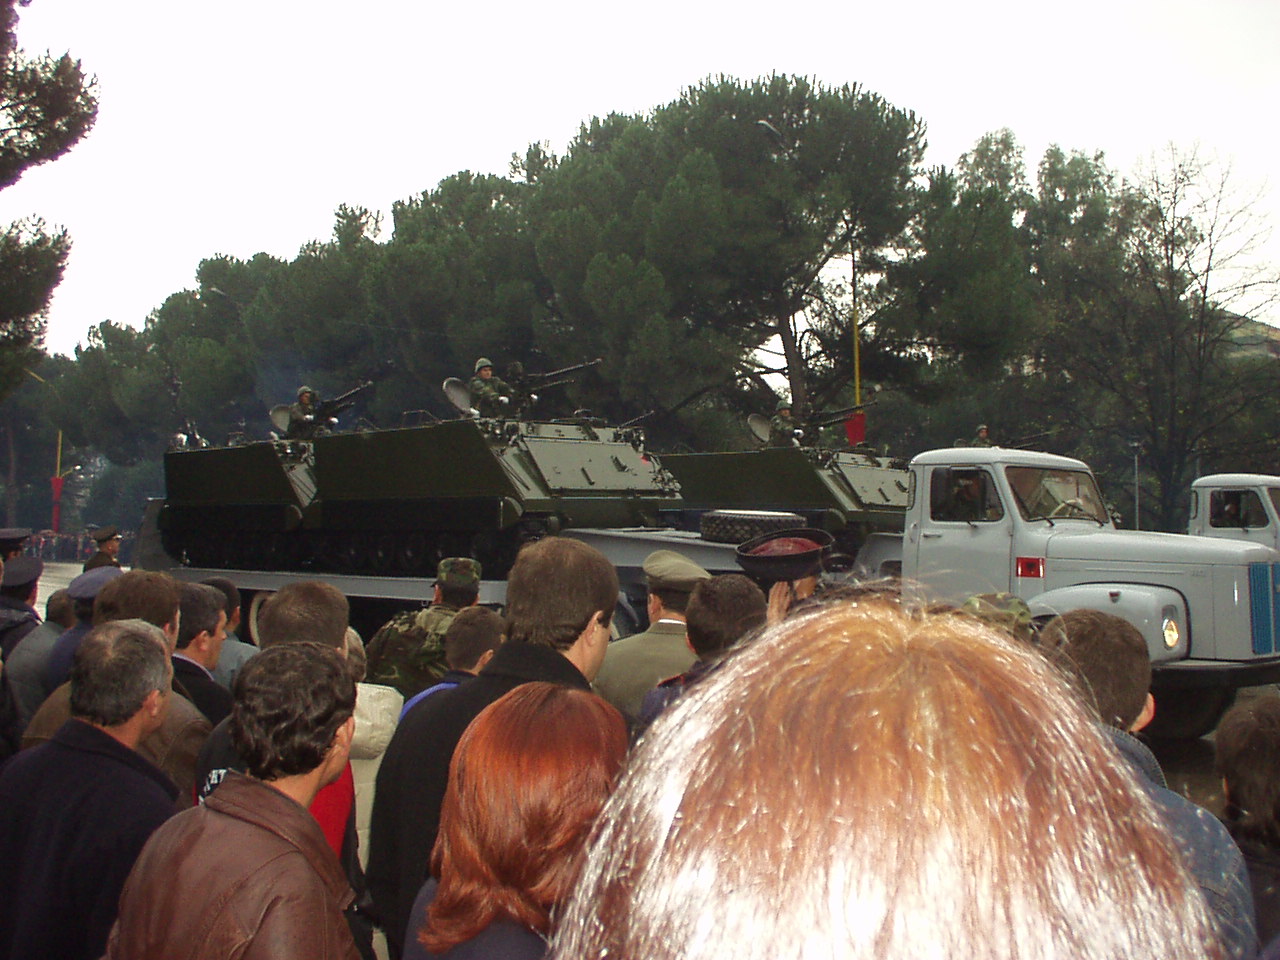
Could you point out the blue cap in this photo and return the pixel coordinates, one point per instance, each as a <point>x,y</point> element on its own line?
<point>87,585</point>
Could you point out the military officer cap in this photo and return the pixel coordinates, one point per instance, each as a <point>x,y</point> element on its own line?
<point>12,538</point>
<point>482,363</point>
<point>21,572</point>
<point>458,572</point>
<point>87,585</point>
<point>103,534</point>
<point>782,405</point>
<point>668,570</point>
<point>785,554</point>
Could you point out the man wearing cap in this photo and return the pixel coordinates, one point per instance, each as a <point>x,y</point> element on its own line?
<point>786,564</point>
<point>489,395</point>
<point>24,667</point>
<point>12,542</point>
<point>18,616</point>
<point>408,652</point>
<point>108,540</point>
<point>782,428</point>
<point>632,667</point>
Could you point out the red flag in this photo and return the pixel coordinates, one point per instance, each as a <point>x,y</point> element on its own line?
<point>855,428</point>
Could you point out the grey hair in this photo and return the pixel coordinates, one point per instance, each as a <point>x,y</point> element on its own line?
<point>116,667</point>
<point>866,781</point>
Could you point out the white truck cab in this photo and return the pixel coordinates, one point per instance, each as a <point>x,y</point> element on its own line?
<point>989,519</point>
<point>1236,506</point>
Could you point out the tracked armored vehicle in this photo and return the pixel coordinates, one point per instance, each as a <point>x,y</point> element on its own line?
<point>738,495</point>
<point>392,502</point>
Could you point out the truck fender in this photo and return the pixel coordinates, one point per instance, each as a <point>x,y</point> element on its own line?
<point>1156,611</point>
<point>879,556</point>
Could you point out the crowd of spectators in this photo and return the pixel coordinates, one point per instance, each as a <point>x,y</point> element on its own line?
<point>779,766</point>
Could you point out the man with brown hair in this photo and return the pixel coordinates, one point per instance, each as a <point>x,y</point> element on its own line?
<point>248,873</point>
<point>1107,658</point>
<point>560,598</point>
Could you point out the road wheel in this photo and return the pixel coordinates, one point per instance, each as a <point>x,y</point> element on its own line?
<point>1188,714</point>
<point>739,526</point>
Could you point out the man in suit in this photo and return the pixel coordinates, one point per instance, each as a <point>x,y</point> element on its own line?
<point>202,628</point>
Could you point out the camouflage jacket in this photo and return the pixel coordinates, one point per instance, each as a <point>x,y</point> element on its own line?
<point>408,652</point>
<point>486,394</point>
<point>782,431</point>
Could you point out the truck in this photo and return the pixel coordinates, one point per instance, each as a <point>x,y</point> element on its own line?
<point>990,519</point>
<point>1236,506</point>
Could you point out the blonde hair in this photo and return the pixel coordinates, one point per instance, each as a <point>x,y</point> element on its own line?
<point>866,781</point>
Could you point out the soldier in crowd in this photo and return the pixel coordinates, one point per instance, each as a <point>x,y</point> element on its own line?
<point>469,644</point>
<point>108,541</point>
<point>783,427</point>
<point>721,612</point>
<point>489,395</point>
<point>633,665</point>
<point>24,667</point>
<point>13,540</point>
<point>302,416</point>
<point>408,651</point>
<point>18,587</point>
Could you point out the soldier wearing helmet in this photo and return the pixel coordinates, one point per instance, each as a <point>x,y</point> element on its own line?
<point>783,428</point>
<point>490,395</point>
<point>302,416</point>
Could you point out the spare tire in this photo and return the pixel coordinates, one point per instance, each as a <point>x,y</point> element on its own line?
<point>739,526</point>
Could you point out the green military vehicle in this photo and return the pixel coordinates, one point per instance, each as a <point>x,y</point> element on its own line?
<point>738,495</point>
<point>392,502</point>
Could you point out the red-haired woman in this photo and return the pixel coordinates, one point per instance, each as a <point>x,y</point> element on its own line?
<point>526,783</point>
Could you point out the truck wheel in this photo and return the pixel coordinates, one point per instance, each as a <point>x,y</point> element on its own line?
<point>1188,714</point>
<point>739,526</point>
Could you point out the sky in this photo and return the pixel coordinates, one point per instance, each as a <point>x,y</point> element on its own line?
<point>239,127</point>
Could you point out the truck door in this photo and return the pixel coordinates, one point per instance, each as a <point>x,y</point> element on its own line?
<point>962,546</point>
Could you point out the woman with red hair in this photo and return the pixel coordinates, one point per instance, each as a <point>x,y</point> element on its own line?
<point>526,783</point>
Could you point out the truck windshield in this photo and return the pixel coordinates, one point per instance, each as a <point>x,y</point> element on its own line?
<point>1056,494</point>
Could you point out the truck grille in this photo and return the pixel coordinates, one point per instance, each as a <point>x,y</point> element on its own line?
<point>1264,606</point>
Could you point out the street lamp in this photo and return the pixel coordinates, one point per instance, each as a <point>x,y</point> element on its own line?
<point>1136,446</point>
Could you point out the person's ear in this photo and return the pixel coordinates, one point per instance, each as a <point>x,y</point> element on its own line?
<point>1146,716</point>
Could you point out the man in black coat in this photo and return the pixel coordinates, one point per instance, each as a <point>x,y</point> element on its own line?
<point>18,586</point>
<point>560,599</point>
<point>76,811</point>
<point>202,628</point>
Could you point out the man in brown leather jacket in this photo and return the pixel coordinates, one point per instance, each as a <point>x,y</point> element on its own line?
<point>249,874</point>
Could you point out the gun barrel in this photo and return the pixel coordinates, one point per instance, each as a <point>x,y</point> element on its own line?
<point>552,374</point>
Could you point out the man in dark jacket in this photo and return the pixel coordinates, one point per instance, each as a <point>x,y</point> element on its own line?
<point>201,631</point>
<point>1109,660</point>
<point>18,617</point>
<point>560,598</point>
<point>108,541</point>
<point>75,812</point>
<point>249,873</point>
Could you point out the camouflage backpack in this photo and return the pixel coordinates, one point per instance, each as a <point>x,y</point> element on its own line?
<point>408,652</point>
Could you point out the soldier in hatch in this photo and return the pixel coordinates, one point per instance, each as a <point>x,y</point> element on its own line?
<point>302,416</point>
<point>783,427</point>
<point>408,652</point>
<point>489,395</point>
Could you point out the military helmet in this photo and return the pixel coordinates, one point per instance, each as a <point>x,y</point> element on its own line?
<point>981,427</point>
<point>304,390</point>
<point>782,405</point>
<point>482,363</point>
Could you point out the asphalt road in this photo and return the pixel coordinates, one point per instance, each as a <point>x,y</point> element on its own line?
<point>1188,765</point>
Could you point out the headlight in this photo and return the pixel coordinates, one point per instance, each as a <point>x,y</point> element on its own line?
<point>1169,628</point>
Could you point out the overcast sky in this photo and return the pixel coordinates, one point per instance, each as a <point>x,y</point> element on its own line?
<point>239,127</point>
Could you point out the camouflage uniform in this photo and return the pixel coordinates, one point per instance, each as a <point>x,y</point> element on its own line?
<point>486,396</point>
<point>782,430</point>
<point>408,652</point>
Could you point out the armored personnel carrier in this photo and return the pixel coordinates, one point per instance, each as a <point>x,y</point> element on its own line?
<point>392,502</point>
<point>738,495</point>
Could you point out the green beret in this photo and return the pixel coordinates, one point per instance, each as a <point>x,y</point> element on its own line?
<point>668,570</point>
